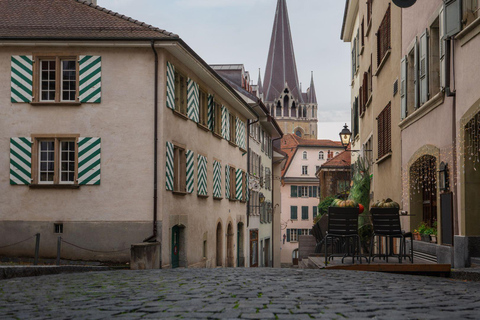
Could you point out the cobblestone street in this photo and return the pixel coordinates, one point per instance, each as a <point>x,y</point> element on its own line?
<point>238,293</point>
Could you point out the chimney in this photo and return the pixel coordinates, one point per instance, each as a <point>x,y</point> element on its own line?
<point>94,2</point>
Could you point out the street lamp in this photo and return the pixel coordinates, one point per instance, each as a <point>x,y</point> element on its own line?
<point>345,136</point>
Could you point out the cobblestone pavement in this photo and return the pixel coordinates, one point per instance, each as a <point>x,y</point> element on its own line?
<point>238,293</point>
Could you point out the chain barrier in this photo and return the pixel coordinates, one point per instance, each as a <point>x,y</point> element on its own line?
<point>10,245</point>
<point>97,251</point>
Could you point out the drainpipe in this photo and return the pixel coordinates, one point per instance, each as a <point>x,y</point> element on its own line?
<point>450,74</point>
<point>153,237</point>
<point>248,165</point>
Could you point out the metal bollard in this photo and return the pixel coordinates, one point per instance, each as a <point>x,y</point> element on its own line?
<point>59,247</point>
<point>37,248</point>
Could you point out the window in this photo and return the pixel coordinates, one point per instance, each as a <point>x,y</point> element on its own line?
<point>254,203</point>
<point>304,170</point>
<point>384,131</point>
<point>303,192</point>
<point>293,234</point>
<point>354,57</point>
<point>293,191</point>
<point>278,112</point>
<point>383,37</point>
<point>203,116</point>
<point>233,190</point>
<point>56,161</point>
<point>314,208</point>
<point>304,213</point>
<point>57,79</point>
<point>180,93</point>
<point>363,32</point>
<point>179,169</point>
<point>293,213</point>
<point>304,155</point>
<point>321,155</point>
<point>233,130</point>
<point>58,228</point>
<point>262,140</point>
<point>369,11</point>
<point>470,11</point>
<point>244,186</point>
<point>218,119</point>
<point>268,179</point>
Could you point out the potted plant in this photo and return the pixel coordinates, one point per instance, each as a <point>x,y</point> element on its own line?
<point>422,229</point>
<point>433,234</point>
<point>416,235</point>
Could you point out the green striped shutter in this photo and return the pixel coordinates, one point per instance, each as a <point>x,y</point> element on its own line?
<point>227,181</point>
<point>89,161</point>
<point>211,113</point>
<point>169,167</point>
<point>202,175</point>
<point>240,131</point>
<point>225,123</point>
<point>170,86</point>
<point>238,184</point>
<point>90,79</point>
<point>217,179</point>
<point>190,170</point>
<point>21,79</point>
<point>20,161</point>
<point>193,102</point>
<point>244,135</point>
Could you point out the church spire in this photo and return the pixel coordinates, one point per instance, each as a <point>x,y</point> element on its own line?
<point>259,84</point>
<point>281,66</point>
<point>312,96</point>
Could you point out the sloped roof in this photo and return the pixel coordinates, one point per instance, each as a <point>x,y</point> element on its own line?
<point>281,67</point>
<point>290,143</point>
<point>342,160</point>
<point>70,19</point>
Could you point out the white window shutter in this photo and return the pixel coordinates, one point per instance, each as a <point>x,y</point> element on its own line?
<point>190,170</point>
<point>416,82</point>
<point>169,174</point>
<point>21,79</point>
<point>193,100</point>
<point>89,161</point>
<point>453,17</point>
<point>202,175</point>
<point>227,181</point>
<point>403,88</point>
<point>90,79</point>
<point>238,184</point>
<point>423,68</point>
<point>20,161</point>
<point>170,87</point>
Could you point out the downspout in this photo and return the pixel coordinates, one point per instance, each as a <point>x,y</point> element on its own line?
<point>248,166</point>
<point>155,148</point>
<point>450,48</point>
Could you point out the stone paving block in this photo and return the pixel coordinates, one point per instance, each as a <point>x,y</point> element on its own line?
<point>264,315</point>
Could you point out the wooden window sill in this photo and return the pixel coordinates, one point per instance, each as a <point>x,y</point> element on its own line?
<point>233,200</point>
<point>383,62</point>
<point>203,127</point>
<point>54,186</point>
<point>180,115</point>
<point>179,193</point>
<point>55,104</point>
<point>361,49</point>
<point>232,144</point>
<point>241,149</point>
<point>216,198</point>
<point>202,196</point>
<point>216,135</point>
<point>384,157</point>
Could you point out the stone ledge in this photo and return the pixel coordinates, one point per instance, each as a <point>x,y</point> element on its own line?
<point>8,272</point>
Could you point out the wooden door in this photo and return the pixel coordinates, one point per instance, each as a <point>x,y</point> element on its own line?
<point>175,247</point>
<point>253,248</point>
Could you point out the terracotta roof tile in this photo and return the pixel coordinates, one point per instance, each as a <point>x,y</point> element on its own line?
<point>342,160</point>
<point>70,19</point>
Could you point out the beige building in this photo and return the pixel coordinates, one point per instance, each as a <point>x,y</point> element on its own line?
<point>374,30</point>
<point>117,134</point>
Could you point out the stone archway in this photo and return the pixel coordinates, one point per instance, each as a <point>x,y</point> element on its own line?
<point>230,246</point>
<point>299,132</point>
<point>219,251</point>
<point>423,189</point>
<point>472,175</point>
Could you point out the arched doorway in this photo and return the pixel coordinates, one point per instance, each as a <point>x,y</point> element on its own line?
<point>423,191</point>
<point>286,106</point>
<point>240,245</point>
<point>472,176</point>
<point>230,250</point>
<point>179,258</point>
<point>219,252</point>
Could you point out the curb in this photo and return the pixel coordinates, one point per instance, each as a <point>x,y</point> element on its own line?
<point>7,272</point>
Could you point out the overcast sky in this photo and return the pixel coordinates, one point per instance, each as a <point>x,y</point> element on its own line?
<point>239,31</point>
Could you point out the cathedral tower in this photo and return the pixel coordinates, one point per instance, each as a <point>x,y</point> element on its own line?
<point>294,110</point>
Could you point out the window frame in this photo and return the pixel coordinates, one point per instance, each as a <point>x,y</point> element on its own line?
<point>233,178</point>
<point>384,41</point>
<point>321,155</point>
<point>37,78</point>
<point>217,123</point>
<point>233,129</point>
<point>384,132</point>
<point>57,139</point>
<point>203,108</point>
<point>179,169</point>
<point>180,87</point>
<point>304,170</point>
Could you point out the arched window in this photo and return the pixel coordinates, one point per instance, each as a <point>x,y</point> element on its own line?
<point>293,111</point>
<point>298,133</point>
<point>279,109</point>
<point>304,155</point>
<point>305,112</point>
<point>321,156</point>
<point>286,106</point>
